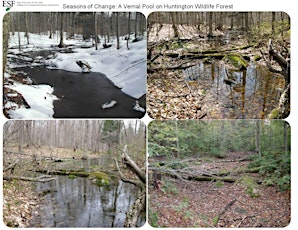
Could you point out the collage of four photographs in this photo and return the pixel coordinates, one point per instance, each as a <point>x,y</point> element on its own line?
<point>115,119</point>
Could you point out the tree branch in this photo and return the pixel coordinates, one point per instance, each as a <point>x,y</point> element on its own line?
<point>132,165</point>
<point>136,183</point>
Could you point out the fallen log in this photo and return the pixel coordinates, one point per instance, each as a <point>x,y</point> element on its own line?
<point>63,172</point>
<point>132,165</point>
<point>133,213</point>
<point>203,176</point>
<point>37,179</point>
<point>216,219</point>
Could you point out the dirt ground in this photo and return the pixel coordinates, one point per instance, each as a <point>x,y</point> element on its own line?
<point>181,203</point>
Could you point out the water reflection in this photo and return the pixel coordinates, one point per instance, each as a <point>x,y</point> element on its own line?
<point>250,93</point>
<point>79,203</point>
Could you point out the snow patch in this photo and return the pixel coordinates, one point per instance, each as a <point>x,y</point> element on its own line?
<point>40,99</point>
<point>109,104</point>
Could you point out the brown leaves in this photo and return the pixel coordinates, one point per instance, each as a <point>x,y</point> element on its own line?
<point>18,204</point>
<point>170,98</point>
<point>201,204</point>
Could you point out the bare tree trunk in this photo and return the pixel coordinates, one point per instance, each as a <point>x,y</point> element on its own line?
<point>61,44</point>
<point>95,30</point>
<point>117,30</point>
<point>26,27</point>
<point>210,25</point>
<point>257,137</point>
<point>6,24</point>
<point>128,29</point>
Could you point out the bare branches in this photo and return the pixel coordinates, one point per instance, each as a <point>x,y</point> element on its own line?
<point>124,179</point>
<point>134,211</point>
<point>11,166</point>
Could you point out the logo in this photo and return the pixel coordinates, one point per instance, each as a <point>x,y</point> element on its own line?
<point>8,4</point>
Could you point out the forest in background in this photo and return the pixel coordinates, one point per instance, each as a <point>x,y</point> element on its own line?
<point>219,173</point>
<point>38,151</point>
<point>105,25</point>
<point>109,43</point>
<point>202,63</point>
<point>84,136</point>
<point>267,142</point>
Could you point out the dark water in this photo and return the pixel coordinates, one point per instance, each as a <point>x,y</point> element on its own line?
<point>251,94</point>
<point>79,203</point>
<point>82,94</point>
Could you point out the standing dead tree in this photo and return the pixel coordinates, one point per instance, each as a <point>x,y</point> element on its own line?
<point>139,205</point>
<point>282,58</point>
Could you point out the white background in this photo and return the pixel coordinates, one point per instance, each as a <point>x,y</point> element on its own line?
<point>238,5</point>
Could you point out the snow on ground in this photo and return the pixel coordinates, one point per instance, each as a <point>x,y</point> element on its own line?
<point>40,99</point>
<point>125,68</point>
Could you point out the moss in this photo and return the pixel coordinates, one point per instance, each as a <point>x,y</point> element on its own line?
<point>100,178</point>
<point>257,58</point>
<point>274,114</point>
<point>236,60</point>
<point>219,184</point>
<point>251,186</point>
<point>71,176</point>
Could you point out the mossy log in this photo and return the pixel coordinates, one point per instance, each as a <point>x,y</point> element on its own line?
<point>236,60</point>
<point>218,56</point>
<point>64,172</point>
<point>217,176</point>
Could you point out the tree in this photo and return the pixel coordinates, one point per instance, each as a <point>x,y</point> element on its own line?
<point>6,25</point>
<point>128,29</point>
<point>111,132</point>
<point>117,30</point>
<point>95,30</point>
<point>210,34</point>
<point>61,43</point>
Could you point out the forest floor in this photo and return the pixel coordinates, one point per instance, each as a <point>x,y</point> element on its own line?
<point>183,83</point>
<point>244,203</point>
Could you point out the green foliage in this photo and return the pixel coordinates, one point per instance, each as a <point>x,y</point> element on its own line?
<point>214,138</point>
<point>183,205</point>
<point>215,220</point>
<point>153,218</point>
<point>178,165</point>
<point>169,187</point>
<point>111,131</point>
<point>276,167</point>
<point>217,152</point>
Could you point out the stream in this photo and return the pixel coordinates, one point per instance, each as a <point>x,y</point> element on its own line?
<point>81,95</point>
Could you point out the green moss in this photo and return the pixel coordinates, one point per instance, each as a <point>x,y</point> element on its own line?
<point>251,186</point>
<point>257,58</point>
<point>219,184</point>
<point>236,60</point>
<point>274,114</point>
<point>100,178</point>
<point>71,176</point>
